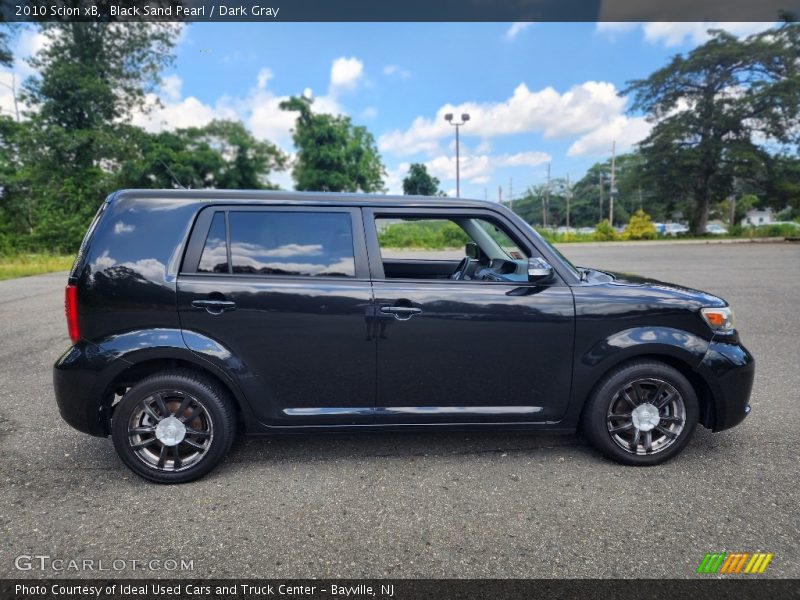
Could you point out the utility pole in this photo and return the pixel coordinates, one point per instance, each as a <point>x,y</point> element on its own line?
<point>613,189</point>
<point>600,184</point>
<point>485,194</point>
<point>732,202</point>
<point>499,194</point>
<point>641,203</point>
<point>569,197</point>
<point>546,198</point>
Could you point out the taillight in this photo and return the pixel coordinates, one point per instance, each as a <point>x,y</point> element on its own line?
<point>71,311</point>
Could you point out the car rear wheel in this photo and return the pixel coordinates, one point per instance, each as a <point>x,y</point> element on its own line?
<point>173,427</point>
<point>642,413</point>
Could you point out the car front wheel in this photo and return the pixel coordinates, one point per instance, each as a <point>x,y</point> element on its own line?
<point>173,427</point>
<point>642,413</point>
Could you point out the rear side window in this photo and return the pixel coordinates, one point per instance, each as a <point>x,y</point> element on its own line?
<point>215,252</point>
<point>313,244</point>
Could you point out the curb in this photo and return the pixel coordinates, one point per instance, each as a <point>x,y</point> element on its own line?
<point>699,242</point>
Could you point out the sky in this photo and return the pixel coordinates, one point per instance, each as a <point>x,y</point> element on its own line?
<point>538,94</point>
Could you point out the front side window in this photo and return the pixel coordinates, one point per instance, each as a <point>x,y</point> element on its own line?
<point>436,239</point>
<point>442,238</point>
<point>455,248</point>
<point>314,244</point>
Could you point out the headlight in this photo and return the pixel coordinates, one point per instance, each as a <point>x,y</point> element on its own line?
<point>719,319</point>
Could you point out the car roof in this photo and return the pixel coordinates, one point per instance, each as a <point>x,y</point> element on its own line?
<point>276,196</point>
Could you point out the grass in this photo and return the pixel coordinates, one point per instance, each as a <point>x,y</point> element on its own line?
<point>22,265</point>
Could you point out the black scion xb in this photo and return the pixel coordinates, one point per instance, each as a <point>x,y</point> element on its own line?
<point>197,314</point>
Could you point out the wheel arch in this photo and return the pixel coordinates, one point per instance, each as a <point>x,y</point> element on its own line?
<point>705,397</point>
<point>134,372</point>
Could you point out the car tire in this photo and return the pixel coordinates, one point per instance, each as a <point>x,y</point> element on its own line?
<point>642,413</point>
<point>173,427</point>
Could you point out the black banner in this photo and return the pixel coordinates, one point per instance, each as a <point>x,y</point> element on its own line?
<point>399,11</point>
<point>399,589</point>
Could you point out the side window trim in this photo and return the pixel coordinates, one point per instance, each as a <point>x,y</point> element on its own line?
<point>197,240</point>
<point>228,242</point>
<point>202,225</point>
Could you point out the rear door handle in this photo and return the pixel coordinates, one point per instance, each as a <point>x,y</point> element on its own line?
<point>214,307</point>
<point>402,313</point>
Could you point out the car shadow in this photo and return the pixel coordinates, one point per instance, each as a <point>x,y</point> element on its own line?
<point>334,446</point>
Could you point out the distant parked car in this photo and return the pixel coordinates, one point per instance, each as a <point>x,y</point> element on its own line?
<point>660,228</point>
<point>675,229</point>
<point>586,230</point>
<point>563,230</point>
<point>716,229</point>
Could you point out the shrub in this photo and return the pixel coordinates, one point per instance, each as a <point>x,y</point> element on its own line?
<point>640,227</point>
<point>604,231</point>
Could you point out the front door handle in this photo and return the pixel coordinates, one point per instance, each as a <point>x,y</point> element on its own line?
<point>214,307</point>
<point>402,313</point>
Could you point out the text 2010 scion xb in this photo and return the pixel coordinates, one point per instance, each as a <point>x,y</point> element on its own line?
<point>197,314</point>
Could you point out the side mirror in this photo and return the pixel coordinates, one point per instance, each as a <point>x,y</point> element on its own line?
<point>539,270</point>
<point>472,250</point>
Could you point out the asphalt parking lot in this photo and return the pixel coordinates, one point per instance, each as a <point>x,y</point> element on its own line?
<point>421,505</point>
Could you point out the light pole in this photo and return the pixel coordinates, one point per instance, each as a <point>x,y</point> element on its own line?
<point>464,118</point>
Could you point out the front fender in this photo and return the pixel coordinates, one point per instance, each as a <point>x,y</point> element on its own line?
<point>593,360</point>
<point>622,345</point>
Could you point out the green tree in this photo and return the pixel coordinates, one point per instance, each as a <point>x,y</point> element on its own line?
<point>333,155</point>
<point>222,155</point>
<point>782,187</point>
<point>708,107</point>
<point>419,182</point>
<point>6,58</point>
<point>91,76</point>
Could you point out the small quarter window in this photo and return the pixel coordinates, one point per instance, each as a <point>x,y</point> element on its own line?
<point>314,244</point>
<point>215,252</point>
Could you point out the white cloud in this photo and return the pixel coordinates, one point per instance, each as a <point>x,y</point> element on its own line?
<point>171,86</point>
<point>394,178</point>
<point>478,168</point>
<point>515,29</point>
<point>369,113</point>
<point>390,70</point>
<point>346,73</point>
<point>523,159</point>
<point>9,86</point>
<point>579,110</point>
<point>674,34</point>
<point>259,110</point>
<point>677,33</point>
<point>264,76</point>
<point>177,113</point>
<point>28,42</point>
<point>625,131</point>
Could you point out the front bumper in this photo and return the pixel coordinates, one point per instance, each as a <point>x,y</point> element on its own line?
<point>728,369</point>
